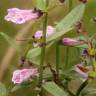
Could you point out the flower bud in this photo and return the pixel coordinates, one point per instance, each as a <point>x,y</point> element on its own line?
<point>69,41</point>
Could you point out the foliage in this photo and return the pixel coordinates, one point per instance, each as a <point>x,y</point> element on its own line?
<point>57,81</point>
<point>62,27</point>
<point>53,89</point>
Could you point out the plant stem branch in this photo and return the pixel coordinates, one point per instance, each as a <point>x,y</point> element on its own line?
<point>43,49</point>
<point>83,85</point>
<point>67,57</point>
<point>67,49</point>
<point>57,60</point>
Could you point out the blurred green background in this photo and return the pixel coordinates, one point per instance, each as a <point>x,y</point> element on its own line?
<point>54,16</point>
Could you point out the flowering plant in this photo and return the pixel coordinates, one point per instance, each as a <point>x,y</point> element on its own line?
<point>37,66</point>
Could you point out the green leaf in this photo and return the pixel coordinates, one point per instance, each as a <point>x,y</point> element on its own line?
<point>54,89</point>
<point>10,41</point>
<point>82,46</point>
<point>3,91</point>
<point>61,28</point>
<point>74,16</point>
<point>34,51</point>
<point>58,34</point>
<point>20,86</point>
<point>41,4</point>
<point>16,87</point>
<point>33,55</point>
<point>68,22</point>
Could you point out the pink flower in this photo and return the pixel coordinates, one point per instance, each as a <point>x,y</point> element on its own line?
<point>22,75</point>
<point>50,31</point>
<point>69,41</point>
<point>39,34</point>
<point>19,16</point>
<point>82,70</point>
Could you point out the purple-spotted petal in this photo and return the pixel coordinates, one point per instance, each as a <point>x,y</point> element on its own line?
<point>22,75</point>
<point>19,16</point>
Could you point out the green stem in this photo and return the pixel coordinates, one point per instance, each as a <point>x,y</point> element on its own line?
<point>43,49</point>
<point>70,5</point>
<point>67,57</point>
<point>83,85</point>
<point>57,60</point>
<point>67,49</point>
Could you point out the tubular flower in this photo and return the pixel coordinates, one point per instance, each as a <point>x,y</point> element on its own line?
<point>39,34</point>
<point>69,41</point>
<point>19,16</point>
<point>22,75</point>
